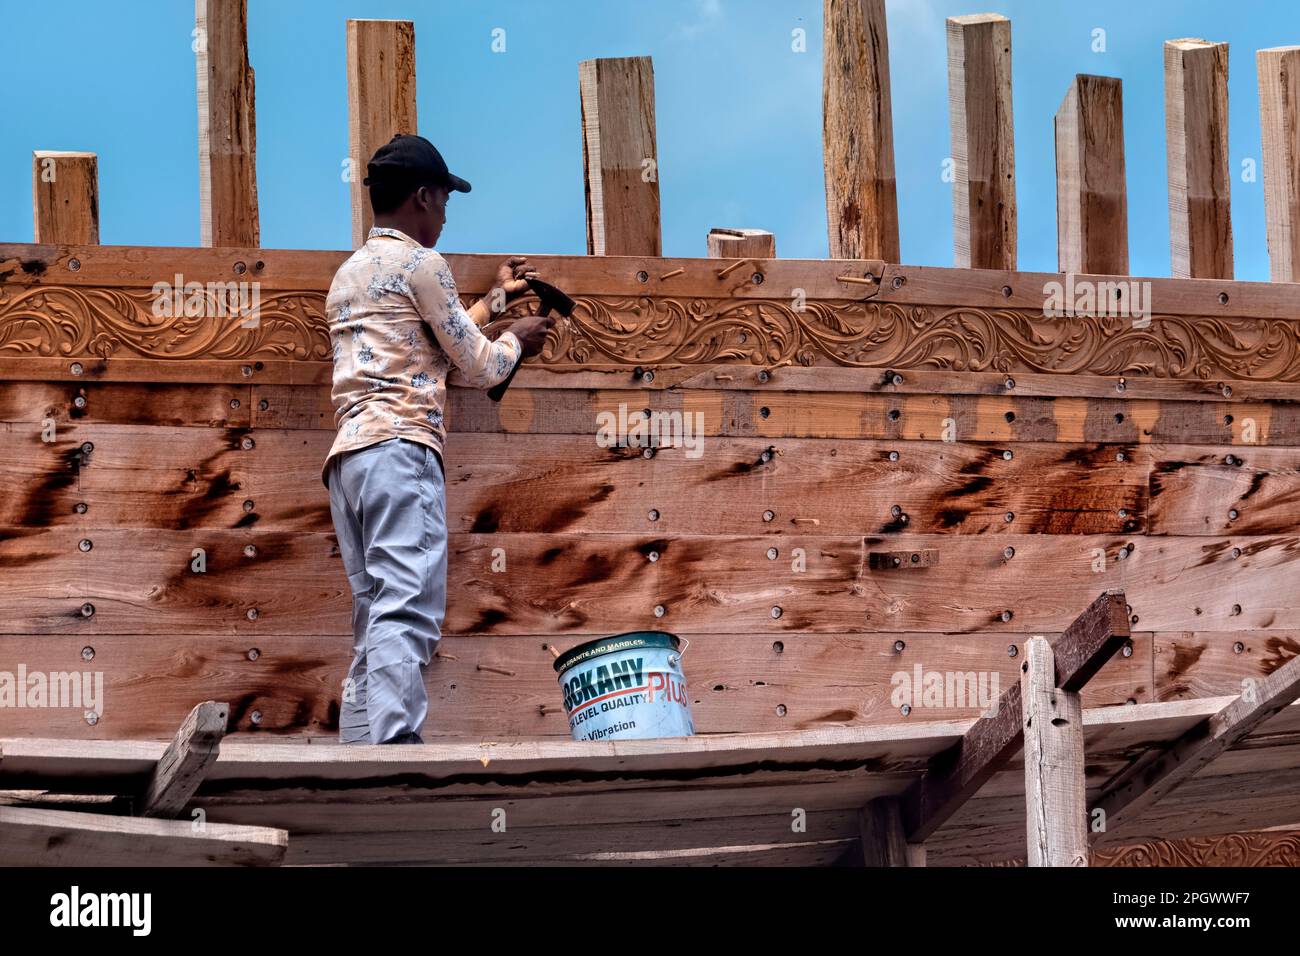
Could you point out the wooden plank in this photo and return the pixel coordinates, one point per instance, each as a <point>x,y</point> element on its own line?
<point>381,101</point>
<point>1091,197</point>
<point>488,687</point>
<point>187,758</point>
<point>1055,808</point>
<point>960,772</point>
<point>143,582</point>
<point>1280,130</point>
<point>843,415</point>
<point>883,840</point>
<point>228,214</point>
<point>1210,663</point>
<point>1196,148</point>
<point>1234,490</point>
<point>65,197</point>
<point>858,132</point>
<point>1149,781</point>
<point>741,244</point>
<point>983,141</point>
<point>620,156</point>
<point>69,838</point>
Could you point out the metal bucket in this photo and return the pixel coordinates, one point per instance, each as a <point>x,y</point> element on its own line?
<point>626,687</point>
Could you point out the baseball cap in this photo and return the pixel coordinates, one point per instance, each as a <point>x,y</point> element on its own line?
<point>412,160</point>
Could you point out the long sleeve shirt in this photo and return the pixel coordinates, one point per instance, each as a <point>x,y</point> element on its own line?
<point>396,326</point>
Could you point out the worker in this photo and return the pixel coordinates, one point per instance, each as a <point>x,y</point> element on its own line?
<point>397,326</point>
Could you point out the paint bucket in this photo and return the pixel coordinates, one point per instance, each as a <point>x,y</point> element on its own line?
<point>626,687</point>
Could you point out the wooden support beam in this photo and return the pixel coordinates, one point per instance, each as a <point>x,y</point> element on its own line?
<point>858,132</point>
<point>381,101</point>
<point>1091,196</point>
<point>958,773</point>
<point>1196,148</point>
<point>1148,780</point>
<point>983,142</point>
<point>741,244</point>
<point>883,840</point>
<point>183,764</point>
<point>65,197</point>
<point>1279,121</point>
<point>1055,794</point>
<point>620,158</point>
<point>30,837</point>
<point>227,126</point>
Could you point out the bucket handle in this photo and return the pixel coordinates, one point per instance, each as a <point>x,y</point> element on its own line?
<point>678,656</point>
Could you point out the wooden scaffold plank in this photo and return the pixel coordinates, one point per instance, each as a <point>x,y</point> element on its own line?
<point>1091,196</point>
<point>1196,146</point>
<point>1279,121</point>
<point>620,158</point>
<point>228,213</point>
<point>858,132</point>
<point>381,101</point>
<point>983,142</point>
<point>65,197</point>
<point>183,764</point>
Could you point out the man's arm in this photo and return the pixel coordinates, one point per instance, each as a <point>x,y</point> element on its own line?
<point>484,362</point>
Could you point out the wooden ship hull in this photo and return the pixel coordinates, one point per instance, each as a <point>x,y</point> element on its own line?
<point>898,470</point>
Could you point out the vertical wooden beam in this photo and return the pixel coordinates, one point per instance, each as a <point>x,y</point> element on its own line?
<point>983,142</point>
<point>181,768</point>
<point>858,132</point>
<point>65,197</point>
<point>1055,798</point>
<point>1196,147</point>
<point>1279,121</point>
<point>883,840</point>
<point>620,160</point>
<point>227,125</point>
<point>741,244</point>
<point>381,101</point>
<point>1091,197</point>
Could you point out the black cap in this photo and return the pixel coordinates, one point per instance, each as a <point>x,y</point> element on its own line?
<point>411,160</point>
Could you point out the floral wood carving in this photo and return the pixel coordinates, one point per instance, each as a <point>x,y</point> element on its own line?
<point>1264,848</point>
<point>67,321</point>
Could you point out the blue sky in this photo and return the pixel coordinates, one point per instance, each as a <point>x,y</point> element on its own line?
<point>738,114</point>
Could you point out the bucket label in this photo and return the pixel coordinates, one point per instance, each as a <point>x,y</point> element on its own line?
<point>626,698</point>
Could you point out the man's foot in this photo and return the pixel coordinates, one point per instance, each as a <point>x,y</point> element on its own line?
<point>410,737</point>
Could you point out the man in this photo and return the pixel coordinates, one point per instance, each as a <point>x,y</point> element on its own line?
<point>397,326</point>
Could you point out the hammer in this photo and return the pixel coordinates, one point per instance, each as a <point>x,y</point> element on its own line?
<point>550,298</point>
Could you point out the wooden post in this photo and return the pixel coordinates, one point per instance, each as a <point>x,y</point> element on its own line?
<point>858,132</point>
<point>1196,146</point>
<point>381,101</point>
<point>1091,198</point>
<point>1055,796</point>
<point>1279,121</point>
<point>65,198</point>
<point>983,142</point>
<point>181,768</point>
<point>741,244</point>
<point>620,160</point>
<point>883,840</point>
<point>227,125</point>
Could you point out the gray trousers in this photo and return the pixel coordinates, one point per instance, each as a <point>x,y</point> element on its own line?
<point>388,502</point>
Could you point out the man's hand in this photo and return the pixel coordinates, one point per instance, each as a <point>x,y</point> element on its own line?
<point>531,332</point>
<point>510,277</point>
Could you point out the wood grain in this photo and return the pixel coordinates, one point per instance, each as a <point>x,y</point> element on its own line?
<point>65,197</point>
<point>1091,196</point>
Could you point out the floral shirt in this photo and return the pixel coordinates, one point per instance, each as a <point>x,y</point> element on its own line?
<point>396,327</point>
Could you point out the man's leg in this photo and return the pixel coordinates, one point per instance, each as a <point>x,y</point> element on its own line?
<point>403,531</point>
<point>354,724</point>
